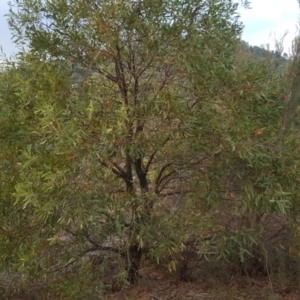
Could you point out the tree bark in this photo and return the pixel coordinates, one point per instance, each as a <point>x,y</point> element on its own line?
<point>134,256</point>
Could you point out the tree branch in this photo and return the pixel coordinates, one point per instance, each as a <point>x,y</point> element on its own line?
<point>158,179</point>
<point>150,161</point>
<point>106,74</point>
<point>117,170</point>
<point>162,179</point>
<point>121,76</point>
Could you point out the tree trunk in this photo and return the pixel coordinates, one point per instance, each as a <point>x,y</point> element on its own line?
<point>134,257</point>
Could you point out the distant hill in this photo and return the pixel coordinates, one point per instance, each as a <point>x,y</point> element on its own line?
<point>260,52</point>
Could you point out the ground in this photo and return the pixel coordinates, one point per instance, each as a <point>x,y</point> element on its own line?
<point>211,281</point>
<point>157,285</point>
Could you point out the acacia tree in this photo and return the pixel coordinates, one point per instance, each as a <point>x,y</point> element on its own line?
<point>125,159</point>
<point>124,123</point>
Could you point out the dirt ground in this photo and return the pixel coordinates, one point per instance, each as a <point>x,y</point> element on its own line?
<point>210,282</point>
<point>157,285</point>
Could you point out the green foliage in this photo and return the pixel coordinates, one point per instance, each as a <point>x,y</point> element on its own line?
<point>131,126</point>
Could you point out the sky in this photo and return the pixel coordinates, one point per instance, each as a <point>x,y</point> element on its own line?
<point>270,19</point>
<point>267,20</point>
<point>5,35</point>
